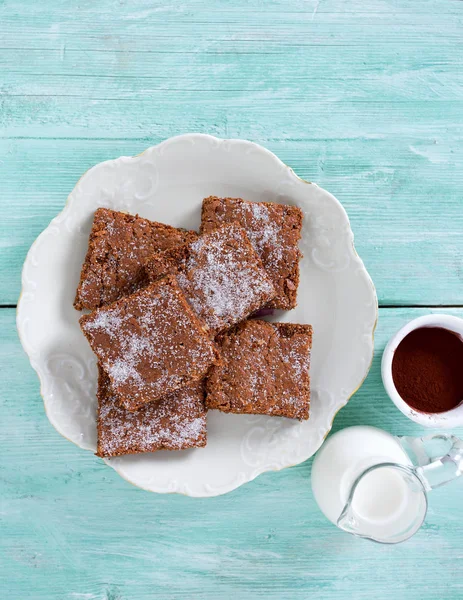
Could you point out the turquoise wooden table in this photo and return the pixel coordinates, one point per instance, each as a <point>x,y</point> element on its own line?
<point>366,99</point>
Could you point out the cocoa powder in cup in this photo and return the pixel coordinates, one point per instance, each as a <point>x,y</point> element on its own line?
<point>427,369</point>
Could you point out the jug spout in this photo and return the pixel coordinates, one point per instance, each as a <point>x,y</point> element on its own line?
<point>438,458</point>
<point>348,522</point>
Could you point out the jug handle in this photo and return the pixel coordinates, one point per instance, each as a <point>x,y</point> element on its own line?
<point>438,458</point>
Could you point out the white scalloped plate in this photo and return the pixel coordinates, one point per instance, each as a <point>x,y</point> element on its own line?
<point>167,183</point>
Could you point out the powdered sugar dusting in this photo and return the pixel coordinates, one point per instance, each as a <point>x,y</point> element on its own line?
<point>297,358</point>
<point>265,371</point>
<point>149,343</point>
<point>110,322</point>
<point>274,231</point>
<point>177,422</point>
<point>223,278</point>
<point>265,233</point>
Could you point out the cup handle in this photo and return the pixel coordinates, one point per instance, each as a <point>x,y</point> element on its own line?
<point>438,458</point>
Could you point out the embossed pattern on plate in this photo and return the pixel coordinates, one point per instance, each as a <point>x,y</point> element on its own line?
<point>167,183</point>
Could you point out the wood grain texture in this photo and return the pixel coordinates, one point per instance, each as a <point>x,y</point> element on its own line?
<point>364,98</point>
<point>73,529</point>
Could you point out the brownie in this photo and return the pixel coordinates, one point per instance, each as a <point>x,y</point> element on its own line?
<point>265,370</point>
<point>118,246</point>
<point>220,274</point>
<point>274,231</point>
<point>150,343</point>
<point>177,422</point>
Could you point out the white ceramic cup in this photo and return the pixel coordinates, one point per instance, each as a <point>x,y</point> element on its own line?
<point>449,419</point>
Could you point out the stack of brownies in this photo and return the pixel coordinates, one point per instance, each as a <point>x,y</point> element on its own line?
<point>170,322</point>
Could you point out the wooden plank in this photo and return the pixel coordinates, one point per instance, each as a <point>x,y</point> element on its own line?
<point>402,197</point>
<point>262,115</point>
<point>364,100</point>
<point>47,78</point>
<point>258,18</point>
<point>239,71</point>
<point>72,529</point>
<point>56,10</point>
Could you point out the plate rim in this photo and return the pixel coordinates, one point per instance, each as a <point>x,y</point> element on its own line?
<point>67,205</point>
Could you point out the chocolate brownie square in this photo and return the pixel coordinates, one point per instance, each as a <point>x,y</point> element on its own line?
<point>220,274</point>
<point>150,343</point>
<point>177,422</point>
<point>118,246</point>
<point>274,231</point>
<point>265,370</point>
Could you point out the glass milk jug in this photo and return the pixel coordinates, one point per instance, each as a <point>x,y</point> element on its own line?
<point>374,485</point>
